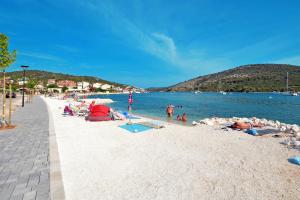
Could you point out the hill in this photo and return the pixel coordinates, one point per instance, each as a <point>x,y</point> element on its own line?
<point>45,75</point>
<point>247,78</point>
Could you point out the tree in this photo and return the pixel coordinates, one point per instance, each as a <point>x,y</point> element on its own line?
<point>31,84</point>
<point>52,86</point>
<point>65,88</point>
<point>6,59</point>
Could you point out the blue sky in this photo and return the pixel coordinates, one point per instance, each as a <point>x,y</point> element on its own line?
<point>150,42</point>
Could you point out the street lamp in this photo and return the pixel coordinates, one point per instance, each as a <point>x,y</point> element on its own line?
<point>24,68</point>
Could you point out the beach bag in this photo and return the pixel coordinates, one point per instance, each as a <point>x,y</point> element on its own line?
<point>294,160</point>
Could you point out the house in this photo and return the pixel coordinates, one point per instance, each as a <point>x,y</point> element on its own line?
<point>106,87</point>
<point>7,81</point>
<point>22,81</point>
<point>66,83</point>
<point>55,90</point>
<point>97,85</point>
<point>51,81</point>
<point>118,89</point>
<point>39,87</point>
<point>83,85</point>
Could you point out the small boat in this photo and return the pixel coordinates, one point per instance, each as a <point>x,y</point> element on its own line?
<point>222,92</point>
<point>294,94</point>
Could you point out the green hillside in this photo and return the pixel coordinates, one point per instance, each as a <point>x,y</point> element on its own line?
<point>44,76</point>
<point>248,78</point>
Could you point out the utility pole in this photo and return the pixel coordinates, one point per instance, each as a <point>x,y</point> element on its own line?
<point>24,68</point>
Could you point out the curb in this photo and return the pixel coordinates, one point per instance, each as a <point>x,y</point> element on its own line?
<point>56,183</point>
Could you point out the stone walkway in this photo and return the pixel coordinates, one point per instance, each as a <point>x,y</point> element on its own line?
<point>24,154</point>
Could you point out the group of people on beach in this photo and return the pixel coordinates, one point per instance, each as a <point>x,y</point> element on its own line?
<point>170,112</point>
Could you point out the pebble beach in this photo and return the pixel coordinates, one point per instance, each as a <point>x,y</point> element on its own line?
<point>100,160</point>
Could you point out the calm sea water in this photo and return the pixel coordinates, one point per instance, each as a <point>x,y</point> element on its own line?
<point>198,106</point>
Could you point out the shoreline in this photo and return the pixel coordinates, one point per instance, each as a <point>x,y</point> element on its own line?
<point>175,162</point>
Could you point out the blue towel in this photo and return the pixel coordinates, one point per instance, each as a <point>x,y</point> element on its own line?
<point>135,128</point>
<point>252,132</point>
<point>295,160</point>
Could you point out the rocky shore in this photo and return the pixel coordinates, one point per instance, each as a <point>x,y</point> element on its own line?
<point>290,131</point>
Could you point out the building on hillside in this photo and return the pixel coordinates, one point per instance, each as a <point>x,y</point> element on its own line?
<point>51,81</point>
<point>66,83</point>
<point>55,90</point>
<point>97,85</point>
<point>106,87</point>
<point>7,81</point>
<point>22,81</point>
<point>39,87</point>
<point>117,89</point>
<point>83,85</point>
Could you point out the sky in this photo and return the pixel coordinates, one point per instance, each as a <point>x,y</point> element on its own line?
<point>150,43</point>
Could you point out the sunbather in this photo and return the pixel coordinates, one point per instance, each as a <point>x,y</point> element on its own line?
<point>244,125</point>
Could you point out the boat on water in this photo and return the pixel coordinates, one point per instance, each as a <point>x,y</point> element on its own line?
<point>290,93</point>
<point>222,92</point>
<point>294,94</point>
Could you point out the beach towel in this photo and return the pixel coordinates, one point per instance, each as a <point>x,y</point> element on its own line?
<point>135,128</point>
<point>252,132</point>
<point>295,160</point>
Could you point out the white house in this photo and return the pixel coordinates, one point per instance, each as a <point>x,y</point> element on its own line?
<point>21,82</point>
<point>83,85</point>
<point>106,87</point>
<point>97,85</point>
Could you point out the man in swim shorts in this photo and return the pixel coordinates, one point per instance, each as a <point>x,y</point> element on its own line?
<point>170,111</point>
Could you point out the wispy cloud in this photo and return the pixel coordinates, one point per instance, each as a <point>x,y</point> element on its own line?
<point>156,43</point>
<point>41,56</point>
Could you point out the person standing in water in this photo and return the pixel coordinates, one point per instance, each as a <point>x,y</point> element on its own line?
<point>170,111</point>
<point>184,117</point>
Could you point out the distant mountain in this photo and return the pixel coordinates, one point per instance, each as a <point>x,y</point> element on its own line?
<point>247,78</point>
<point>45,75</point>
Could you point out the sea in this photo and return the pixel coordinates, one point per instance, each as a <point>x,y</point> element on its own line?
<point>272,106</point>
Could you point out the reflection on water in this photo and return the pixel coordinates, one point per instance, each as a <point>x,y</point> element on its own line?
<point>198,106</point>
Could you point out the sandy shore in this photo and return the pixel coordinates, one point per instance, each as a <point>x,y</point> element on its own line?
<point>99,160</point>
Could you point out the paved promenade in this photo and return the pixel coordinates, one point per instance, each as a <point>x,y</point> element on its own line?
<point>24,154</point>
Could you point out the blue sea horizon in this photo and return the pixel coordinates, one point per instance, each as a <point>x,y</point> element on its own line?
<point>272,106</point>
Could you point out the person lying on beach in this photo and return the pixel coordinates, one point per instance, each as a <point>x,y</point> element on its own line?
<point>115,115</point>
<point>244,125</point>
